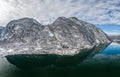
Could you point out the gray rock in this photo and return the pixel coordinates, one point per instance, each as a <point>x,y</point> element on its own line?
<point>1,29</point>
<point>115,38</point>
<point>66,36</point>
<point>80,34</point>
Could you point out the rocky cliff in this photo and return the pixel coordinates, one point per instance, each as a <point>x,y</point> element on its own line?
<point>65,36</point>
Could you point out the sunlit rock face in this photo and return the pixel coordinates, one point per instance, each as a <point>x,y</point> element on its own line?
<point>65,36</point>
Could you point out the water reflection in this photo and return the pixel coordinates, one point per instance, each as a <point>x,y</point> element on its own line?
<point>107,59</point>
<point>7,69</point>
<point>113,49</point>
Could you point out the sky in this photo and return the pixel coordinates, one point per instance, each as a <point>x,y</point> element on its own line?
<point>105,14</point>
<point>110,29</point>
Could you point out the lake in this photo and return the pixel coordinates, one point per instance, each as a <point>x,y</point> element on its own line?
<point>104,61</point>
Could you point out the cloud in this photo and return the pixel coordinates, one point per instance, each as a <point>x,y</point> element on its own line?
<point>46,11</point>
<point>112,33</point>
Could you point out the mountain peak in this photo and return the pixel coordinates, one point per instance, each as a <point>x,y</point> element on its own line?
<point>61,18</point>
<point>64,18</point>
<point>73,18</point>
<point>22,21</point>
<point>25,23</point>
<point>21,28</point>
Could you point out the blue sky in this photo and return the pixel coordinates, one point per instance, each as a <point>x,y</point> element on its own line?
<point>110,29</point>
<point>103,13</point>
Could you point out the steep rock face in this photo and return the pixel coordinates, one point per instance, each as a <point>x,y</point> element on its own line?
<point>74,33</point>
<point>66,36</point>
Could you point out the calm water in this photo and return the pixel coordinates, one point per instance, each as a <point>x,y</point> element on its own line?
<point>104,62</point>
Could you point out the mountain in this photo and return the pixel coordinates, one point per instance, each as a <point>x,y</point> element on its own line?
<point>115,38</point>
<point>65,36</point>
<point>1,29</point>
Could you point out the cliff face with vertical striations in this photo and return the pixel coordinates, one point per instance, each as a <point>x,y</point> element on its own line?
<point>65,36</point>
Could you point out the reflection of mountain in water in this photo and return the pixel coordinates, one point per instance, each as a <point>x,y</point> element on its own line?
<point>47,60</point>
<point>94,63</point>
<point>108,59</point>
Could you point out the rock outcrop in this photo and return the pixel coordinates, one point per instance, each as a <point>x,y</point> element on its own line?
<point>65,36</point>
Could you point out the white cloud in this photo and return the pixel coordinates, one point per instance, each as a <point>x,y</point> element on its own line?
<point>46,11</point>
<point>112,33</point>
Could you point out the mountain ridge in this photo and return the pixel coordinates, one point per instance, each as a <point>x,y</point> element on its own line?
<point>65,36</point>
<point>115,38</point>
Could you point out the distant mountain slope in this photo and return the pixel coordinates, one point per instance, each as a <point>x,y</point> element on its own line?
<point>1,29</point>
<point>65,36</point>
<point>115,38</point>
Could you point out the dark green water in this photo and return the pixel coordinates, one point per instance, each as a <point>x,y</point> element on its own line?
<point>103,62</point>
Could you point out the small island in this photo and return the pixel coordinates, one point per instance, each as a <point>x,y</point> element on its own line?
<point>25,39</point>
